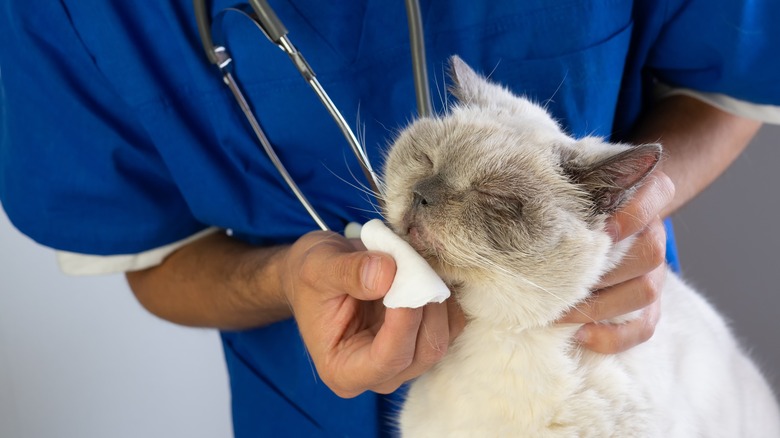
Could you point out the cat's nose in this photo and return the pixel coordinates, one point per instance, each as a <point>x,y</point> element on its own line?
<point>428,192</point>
<point>419,200</point>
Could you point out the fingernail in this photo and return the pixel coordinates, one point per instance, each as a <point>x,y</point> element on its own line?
<point>582,335</point>
<point>611,228</point>
<point>370,272</point>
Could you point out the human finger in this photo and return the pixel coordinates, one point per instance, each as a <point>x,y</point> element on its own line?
<point>394,346</point>
<point>620,299</point>
<point>616,338</point>
<point>456,321</point>
<point>455,318</point>
<point>648,202</point>
<point>363,361</point>
<point>646,253</point>
<point>433,339</point>
<point>334,267</point>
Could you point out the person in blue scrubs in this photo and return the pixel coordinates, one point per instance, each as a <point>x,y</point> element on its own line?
<point>122,149</point>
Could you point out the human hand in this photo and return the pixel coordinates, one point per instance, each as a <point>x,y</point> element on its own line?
<point>634,284</point>
<point>335,288</point>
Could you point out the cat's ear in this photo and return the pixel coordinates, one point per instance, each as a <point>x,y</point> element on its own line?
<point>470,88</point>
<point>612,180</point>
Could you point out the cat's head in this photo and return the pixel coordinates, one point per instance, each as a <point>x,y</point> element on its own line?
<point>502,203</point>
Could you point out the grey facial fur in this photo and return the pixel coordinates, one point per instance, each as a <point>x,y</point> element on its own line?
<point>495,188</point>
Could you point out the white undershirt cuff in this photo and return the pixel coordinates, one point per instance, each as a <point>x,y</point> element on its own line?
<point>764,113</point>
<point>72,263</point>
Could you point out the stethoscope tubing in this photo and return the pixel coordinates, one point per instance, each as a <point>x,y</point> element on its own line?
<point>260,12</point>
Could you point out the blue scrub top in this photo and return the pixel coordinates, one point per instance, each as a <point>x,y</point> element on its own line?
<point>119,137</point>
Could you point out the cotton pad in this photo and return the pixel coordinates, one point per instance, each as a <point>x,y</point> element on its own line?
<point>415,284</point>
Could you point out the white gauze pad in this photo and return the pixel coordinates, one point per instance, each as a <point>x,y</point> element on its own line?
<point>415,284</point>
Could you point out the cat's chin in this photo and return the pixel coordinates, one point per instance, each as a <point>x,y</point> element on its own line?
<point>422,241</point>
<point>415,239</point>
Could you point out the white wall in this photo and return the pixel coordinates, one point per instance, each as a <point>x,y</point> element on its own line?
<point>80,358</point>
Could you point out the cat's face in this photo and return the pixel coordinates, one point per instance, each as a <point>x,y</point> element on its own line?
<point>468,191</point>
<point>494,195</point>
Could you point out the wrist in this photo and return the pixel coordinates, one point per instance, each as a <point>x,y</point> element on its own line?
<point>265,280</point>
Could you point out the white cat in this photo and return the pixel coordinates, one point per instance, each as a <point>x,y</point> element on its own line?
<point>510,212</point>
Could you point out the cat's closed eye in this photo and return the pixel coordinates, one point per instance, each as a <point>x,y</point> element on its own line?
<point>499,201</point>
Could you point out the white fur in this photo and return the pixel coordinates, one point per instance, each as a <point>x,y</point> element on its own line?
<point>690,380</point>
<point>513,372</point>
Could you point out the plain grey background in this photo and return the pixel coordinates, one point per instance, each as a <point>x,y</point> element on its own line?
<point>730,247</point>
<point>80,358</point>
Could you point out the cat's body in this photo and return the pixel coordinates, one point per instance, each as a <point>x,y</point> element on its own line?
<point>689,380</point>
<point>510,212</point>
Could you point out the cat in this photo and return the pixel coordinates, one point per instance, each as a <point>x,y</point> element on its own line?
<point>510,212</point>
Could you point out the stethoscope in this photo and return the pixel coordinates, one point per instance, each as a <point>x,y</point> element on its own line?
<point>261,13</point>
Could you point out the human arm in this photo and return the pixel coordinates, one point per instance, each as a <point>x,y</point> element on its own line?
<point>215,281</point>
<point>326,282</point>
<point>700,141</point>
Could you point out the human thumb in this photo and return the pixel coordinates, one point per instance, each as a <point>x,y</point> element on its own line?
<point>333,266</point>
<point>377,271</point>
<point>367,274</point>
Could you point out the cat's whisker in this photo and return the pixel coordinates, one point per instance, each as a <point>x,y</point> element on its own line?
<point>365,188</point>
<point>431,338</point>
<point>550,100</point>
<point>368,194</point>
<point>441,90</point>
<point>377,207</point>
<point>366,210</point>
<point>357,185</point>
<point>508,213</point>
<point>360,132</point>
<point>494,69</point>
<point>485,263</point>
